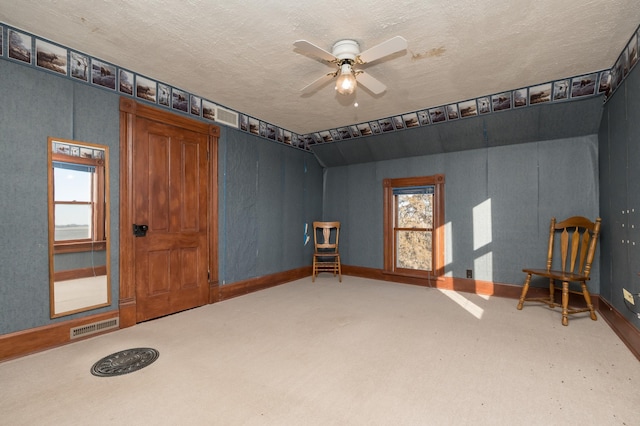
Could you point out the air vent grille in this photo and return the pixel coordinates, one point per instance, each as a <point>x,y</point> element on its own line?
<point>96,327</point>
<point>224,116</point>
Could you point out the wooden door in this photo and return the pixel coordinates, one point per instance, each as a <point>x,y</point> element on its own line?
<point>170,197</point>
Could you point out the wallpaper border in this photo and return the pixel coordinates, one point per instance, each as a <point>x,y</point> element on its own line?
<point>43,54</point>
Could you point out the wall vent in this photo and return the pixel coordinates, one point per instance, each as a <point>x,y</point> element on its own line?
<point>93,328</point>
<point>224,116</point>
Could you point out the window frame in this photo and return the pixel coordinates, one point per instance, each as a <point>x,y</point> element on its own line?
<point>98,206</point>
<point>389,218</point>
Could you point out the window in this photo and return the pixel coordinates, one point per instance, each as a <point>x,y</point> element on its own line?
<point>78,202</point>
<point>413,232</point>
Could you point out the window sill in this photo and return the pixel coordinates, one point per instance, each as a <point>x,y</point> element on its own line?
<point>78,247</point>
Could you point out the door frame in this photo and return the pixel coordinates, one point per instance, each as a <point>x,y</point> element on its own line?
<point>129,110</point>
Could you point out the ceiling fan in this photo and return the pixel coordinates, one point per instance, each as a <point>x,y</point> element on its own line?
<point>346,55</point>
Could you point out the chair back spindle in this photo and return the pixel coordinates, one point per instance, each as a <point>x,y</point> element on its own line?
<point>578,238</point>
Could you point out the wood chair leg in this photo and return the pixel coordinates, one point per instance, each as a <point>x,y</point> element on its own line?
<point>565,303</point>
<point>587,298</point>
<point>525,288</point>
<point>552,293</point>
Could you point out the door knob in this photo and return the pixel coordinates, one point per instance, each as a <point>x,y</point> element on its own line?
<point>140,230</point>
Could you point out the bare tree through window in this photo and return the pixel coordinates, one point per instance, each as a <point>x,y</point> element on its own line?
<point>414,227</point>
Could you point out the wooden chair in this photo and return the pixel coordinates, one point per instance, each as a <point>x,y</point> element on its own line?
<point>578,239</point>
<point>326,257</point>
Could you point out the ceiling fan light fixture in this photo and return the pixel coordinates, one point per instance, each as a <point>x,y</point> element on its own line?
<point>346,54</point>
<point>346,82</point>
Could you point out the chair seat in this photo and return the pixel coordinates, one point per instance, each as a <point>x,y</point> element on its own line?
<point>324,257</point>
<point>557,275</point>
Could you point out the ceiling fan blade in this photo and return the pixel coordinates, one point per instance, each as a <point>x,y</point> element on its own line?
<point>310,88</point>
<point>312,49</point>
<point>372,84</point>
<point>393,45</point>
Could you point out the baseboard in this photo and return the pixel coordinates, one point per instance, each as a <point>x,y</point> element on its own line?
<point>625,330</point>
<point>250,285</point>
<point>465,285</point>
<point>73,274</point>
<point>228,291</point>
<point>25,342</point>
<point>14,345</point>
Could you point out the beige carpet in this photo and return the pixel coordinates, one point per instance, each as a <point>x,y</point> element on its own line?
<point>360,352</point>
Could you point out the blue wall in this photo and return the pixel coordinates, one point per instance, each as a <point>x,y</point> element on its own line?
<point>267,191</point>
<point>37,105</point>
<point>619,146</point>
<point>504,195</point>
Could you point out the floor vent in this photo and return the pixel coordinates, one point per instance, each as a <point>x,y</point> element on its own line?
<point>96,327</point>
<point>224,116</point>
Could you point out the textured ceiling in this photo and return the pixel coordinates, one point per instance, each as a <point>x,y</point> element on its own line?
<point>240,54</point>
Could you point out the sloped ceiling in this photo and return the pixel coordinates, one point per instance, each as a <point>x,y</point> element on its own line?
<point>551,121</point>
<point>240,54</point>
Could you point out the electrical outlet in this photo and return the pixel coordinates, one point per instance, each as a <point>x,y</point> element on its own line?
<point>628,296</point>
<point>469,273</point>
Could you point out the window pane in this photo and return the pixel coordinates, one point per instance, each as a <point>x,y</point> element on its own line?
<point>72,222</point>
<point>71,185</point>
<point>415,211</point>
<point>414,250</point>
